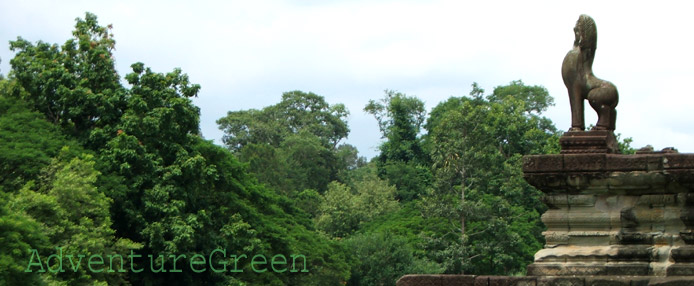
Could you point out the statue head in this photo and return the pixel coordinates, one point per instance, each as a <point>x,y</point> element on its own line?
<point>586,33</point>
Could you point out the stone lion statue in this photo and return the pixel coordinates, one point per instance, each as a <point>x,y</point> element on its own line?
<point>577,72</point>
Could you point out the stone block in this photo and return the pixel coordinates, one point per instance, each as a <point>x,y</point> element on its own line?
<point>634,237</point>
<point>687,216</point>
<point>672,281</point>
<point>649,216</point>
<point>560,281</point>
<point>640,281</point>
<point>436,280</point>
<point>581,200</point>
<point>653,182</point>
<point>482,281</point>
<point>544,269</point>
<point>584,269</point>
<point>607,281</point>
<point>618,162</point>
<point>556,219</point>
<point>628,269</point>
<point>419,280</point>
<point>547,182</point>
<point>555,238</point>
<point>687,236</point>
<point>680,269</point>
<point>683,177</point>
<point>578,237</point>
<point>678,161</point>
<point>584,162</point>
<point>556,201</point>
<point>524,281</point>
<point>589,219</point>
<point>657,200</point>
<point>633,253</point>
<point>654,163</point>
<point>577,183</point>
<point>457,280</point>
<point>543,163</point>
<point>505,281</point>
<point>586,142</point>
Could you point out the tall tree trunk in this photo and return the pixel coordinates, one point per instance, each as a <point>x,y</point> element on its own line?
<point>462,202</point>
<point>462,212</point>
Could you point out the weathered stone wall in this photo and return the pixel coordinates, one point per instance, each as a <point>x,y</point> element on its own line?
<point>615,214</point>
<point>470,280</point>
<point>617,220</point>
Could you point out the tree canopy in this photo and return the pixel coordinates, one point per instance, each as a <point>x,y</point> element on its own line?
<point>95,163</point>
<point>298,112</point>
<point>476,144</point>
<point>144,176</point>
<point>293,145</point>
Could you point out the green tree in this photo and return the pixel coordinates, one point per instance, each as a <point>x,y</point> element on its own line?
<point>309,165</point>
<point>28,144</point>
<point>348,161</point>
<point>400,118</point>
<point>535,97</point>
<point>28,141</point>
<point>403,160</point>
<point>19,233</point>
<point>375,197</point>
<point>298,111</point>
<point>292,145</point>
<point>74,216</point>
<point>50,198</point>
<point>75,85</point>
<point>625,145</point>
<point>345,209</point>
<point>172,192</point>
<point>476,144</point>
<point>382,258</point>
<point>337,215</point>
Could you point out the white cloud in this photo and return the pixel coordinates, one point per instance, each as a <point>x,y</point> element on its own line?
<point>246,53</point>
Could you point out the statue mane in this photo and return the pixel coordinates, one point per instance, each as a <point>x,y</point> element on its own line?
<point>588,32</point>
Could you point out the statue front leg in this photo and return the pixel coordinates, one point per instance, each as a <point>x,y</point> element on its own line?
<point>576,102</point>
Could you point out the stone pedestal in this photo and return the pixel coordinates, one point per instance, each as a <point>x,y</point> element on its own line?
<point>613,219</point>
<point>470,280</point>
<point>615,215</point>
<point>581,142</point>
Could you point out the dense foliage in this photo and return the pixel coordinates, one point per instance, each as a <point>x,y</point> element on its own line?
<point>135,175</point>
<point>93,163</point>
<point>293,145</point>
<point>476,144</point>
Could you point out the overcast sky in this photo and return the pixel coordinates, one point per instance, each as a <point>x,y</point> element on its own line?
<point>246,53</point>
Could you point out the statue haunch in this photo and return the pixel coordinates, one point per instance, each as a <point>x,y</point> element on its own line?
<point>577,72</point>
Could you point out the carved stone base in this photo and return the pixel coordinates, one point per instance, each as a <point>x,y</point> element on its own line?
<point>613,219</point>
<point>609,214</point>
<point>597,141</point>
<point>469,280</point>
